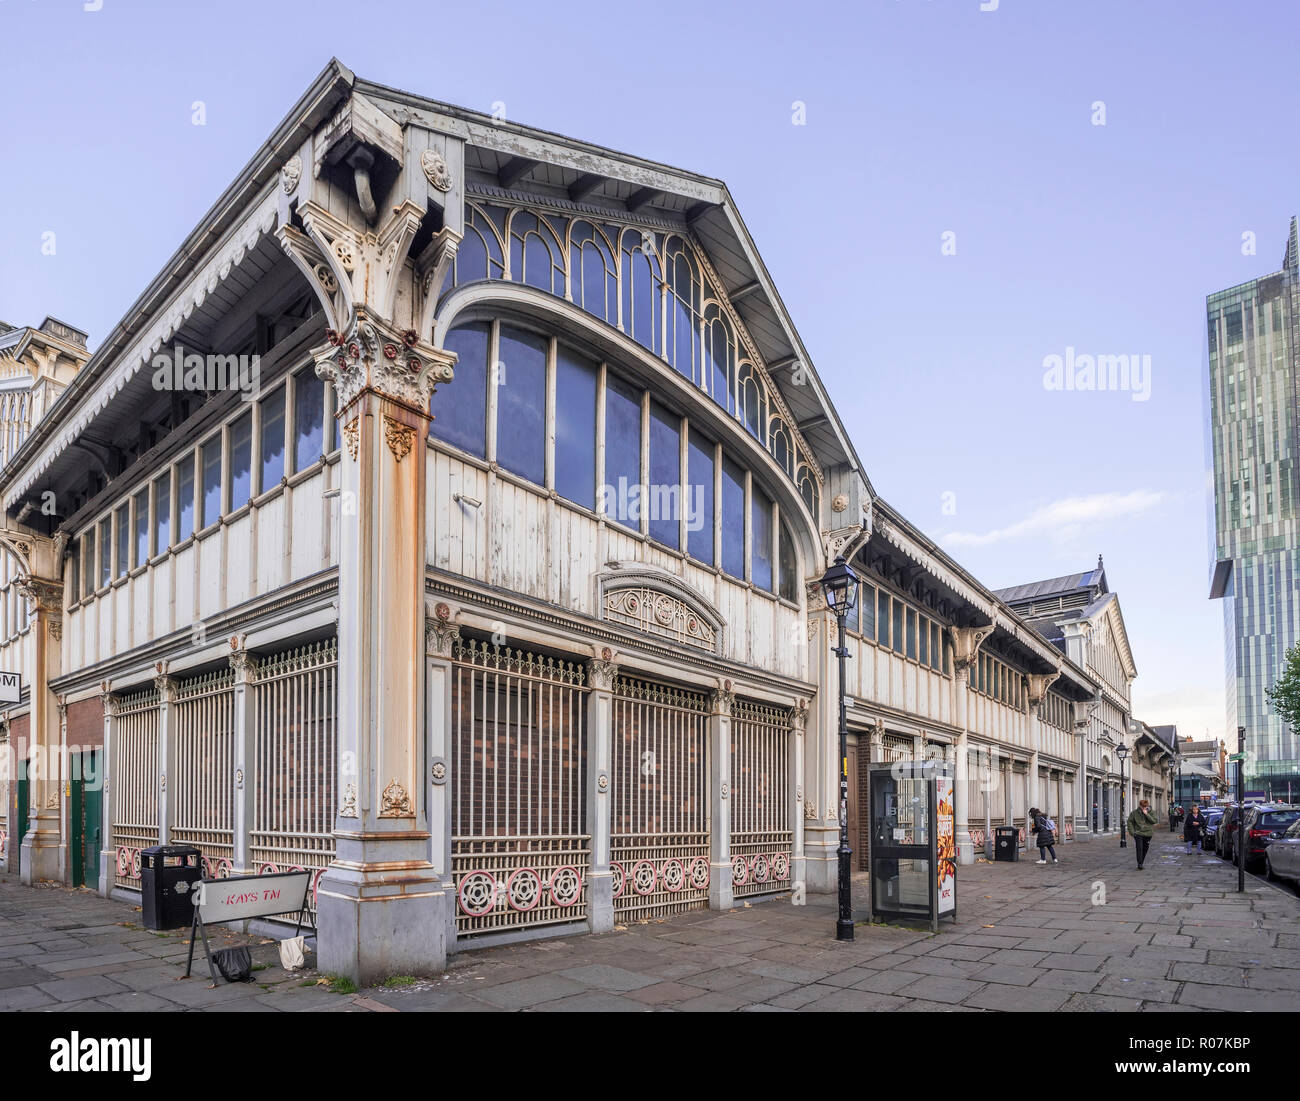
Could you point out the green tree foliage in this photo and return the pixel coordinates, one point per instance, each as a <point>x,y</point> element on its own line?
<point>1285,693</point>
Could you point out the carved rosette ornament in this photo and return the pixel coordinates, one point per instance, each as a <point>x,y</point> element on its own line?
<point>435,169</point>
<point>349,807</point>
<point>399,437</point>
<point>356,360</point>
<point>439,771</point>
<point>290,174</point>
<point>395,802</point>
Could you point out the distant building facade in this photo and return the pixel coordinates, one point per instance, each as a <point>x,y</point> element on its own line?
<point>1253,333</point>
<point>1078,614</point>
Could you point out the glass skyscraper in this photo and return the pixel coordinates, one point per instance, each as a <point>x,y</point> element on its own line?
<point>1254,352</point>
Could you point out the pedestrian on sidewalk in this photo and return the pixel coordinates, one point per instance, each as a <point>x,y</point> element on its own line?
<point>1141,823</point>
<point>1193,828</point>
<point>1045,828</point>
<point>1173,818</point>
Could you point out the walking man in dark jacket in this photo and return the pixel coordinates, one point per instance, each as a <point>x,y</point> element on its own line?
<point>1140,824</point>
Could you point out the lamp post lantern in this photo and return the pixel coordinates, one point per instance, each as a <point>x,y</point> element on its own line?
<point>1121,751</point>
<point>840,587</point>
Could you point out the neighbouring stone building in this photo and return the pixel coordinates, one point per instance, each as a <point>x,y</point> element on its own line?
<point>452,527</point>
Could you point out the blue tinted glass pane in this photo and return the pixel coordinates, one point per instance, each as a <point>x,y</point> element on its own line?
<point>162,510</point>
<point>460,408</point>
<point>787,578</point>
<point>665,476</point>
<point>185,502</point>
<point>141,528</point>
<point>733,519</point>
<point>211,482</point>
<point>123,540</point>
<point>308,418</point>
<point>898,627</point>
<point>575,427</point>
<point>882,618</point>
<point>761,530</point>
<point>521,404</point>
<point>272,439</point>
<point>868,602</point>
<point>923,642</point>
<point>240,477</point>
<point>622,452</point>
<point>699,504</point>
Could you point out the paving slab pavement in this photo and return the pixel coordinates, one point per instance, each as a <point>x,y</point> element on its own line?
<point>1090,934</point>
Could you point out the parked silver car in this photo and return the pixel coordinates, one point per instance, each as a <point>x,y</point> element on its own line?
<point>1282,856</point>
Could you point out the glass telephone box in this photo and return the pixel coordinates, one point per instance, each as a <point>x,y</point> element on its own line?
<point>913,841</point>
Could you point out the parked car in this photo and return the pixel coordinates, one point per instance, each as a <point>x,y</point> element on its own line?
<point>1213,817</point>
<point>1264,824</point>
<point>1282,856</point>
<point>1224,833</point>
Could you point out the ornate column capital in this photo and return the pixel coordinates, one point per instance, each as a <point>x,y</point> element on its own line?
<point>721,699</point>
<point>966,643</point>
<point>799,717</point>
<point>440,633</point>
<point>165,684</point>
<point>108,700</point>
<point>371,354</point>
<point>242,662</point>
<point>44,592</point>
<point>1039,683</point>
<point>602,671</point>
<point>877,737</point>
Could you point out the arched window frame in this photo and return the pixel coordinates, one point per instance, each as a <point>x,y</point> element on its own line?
<point>632,244</point>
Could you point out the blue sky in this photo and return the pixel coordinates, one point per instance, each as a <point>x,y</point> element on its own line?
<point>923,117</point>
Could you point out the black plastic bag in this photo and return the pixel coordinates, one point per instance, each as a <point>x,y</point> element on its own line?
<point>235,964</point>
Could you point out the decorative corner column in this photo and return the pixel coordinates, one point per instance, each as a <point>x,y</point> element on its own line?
<point>601,672</point>
<point>245,715</point>
<point>798,716</point>
<point>382,903</point>
<point>961,781</point>
<point>721,892</point>
<point>966,643</point>
<point>166,687</point>
<point>44,855</point>
<point>440,638</point>
<point>107,851</point>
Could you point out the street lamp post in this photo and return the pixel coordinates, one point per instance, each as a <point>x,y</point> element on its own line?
<point>840,587</point>
<point>1121,751</point>
<point>1241,808</point>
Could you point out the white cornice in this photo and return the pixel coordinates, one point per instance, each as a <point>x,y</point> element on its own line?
<point>257,222</point>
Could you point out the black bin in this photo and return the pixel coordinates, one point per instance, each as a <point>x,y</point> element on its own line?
<point>1006,843</point>
<point>168,874</point>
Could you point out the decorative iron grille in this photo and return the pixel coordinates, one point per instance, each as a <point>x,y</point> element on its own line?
<point>761,837</point>
<point>520,846</point>
<point>202,779</point>
<point>659,824</point>
<point>134,781</point>
<point>657,613</point>
<point>295,761</point>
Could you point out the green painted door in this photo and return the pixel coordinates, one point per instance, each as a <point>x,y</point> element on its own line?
<point>85,818</point>
<point>92,802</point>
<point>20,823</point>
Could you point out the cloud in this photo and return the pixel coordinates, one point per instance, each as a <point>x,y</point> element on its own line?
<point>1064,519</point>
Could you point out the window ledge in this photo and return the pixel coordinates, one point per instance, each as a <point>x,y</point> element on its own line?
<point>305,474</point>
<point>211,529</point>
<point>270,495</point>
<point>238,514</point>
<point>138,571</point>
